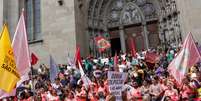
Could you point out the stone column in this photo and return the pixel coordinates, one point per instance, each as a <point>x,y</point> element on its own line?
<point>122,39</point>
<point>146,35</point>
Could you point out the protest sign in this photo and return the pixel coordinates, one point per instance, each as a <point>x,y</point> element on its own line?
<point>116,81</point>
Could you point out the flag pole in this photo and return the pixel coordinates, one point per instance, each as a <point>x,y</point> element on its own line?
<point>32,78</point>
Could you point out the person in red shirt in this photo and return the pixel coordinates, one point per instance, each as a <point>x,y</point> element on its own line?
<point>101,90</point>
<point>69,96</point>
<point>137,93</point>
<point>155,89</point>
<point>93,92</point>
<point>106,87</point>
<point>52,95</point>
<point>145,91</point>
<point>171,92</point>
<point>186,91</point>
<point>43,94</point>
<point>80,94</point>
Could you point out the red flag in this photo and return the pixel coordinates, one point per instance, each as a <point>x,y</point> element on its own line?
<point>77,56</point>
<point>78,61</point>
<point>187,57</point>
<point>151,57</point>
<point>34,59</point>
<point>116,68</point>
<point>133,48</point>
<point>102,43</point>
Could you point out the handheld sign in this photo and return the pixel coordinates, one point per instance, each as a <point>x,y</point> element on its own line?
<point>116,81</point>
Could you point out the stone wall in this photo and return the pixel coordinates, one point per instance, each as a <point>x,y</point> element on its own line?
<point>190,17</point>
<point>1,14</point>
<point>58,31</point>
<point>12,10</point>
<point>9,13</point>
<point>82,35</point>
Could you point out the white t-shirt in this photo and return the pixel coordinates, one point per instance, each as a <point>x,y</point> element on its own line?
<point>156,89</point>
<point>123,56</point>
<point>122,67</point>
<point>105,60</point>
<point>95,61</point>
<point>128,64</point>
<point>56,86</point>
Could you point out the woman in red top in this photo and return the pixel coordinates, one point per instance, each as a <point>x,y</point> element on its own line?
<point>93,92</point>
<point>172,93</point>
<point>52,95</point>
<point>106,87</point>
<point>81,94</point>
<point>101,91</point>
<point>43,95</point>
<point>186,92</point>
<point>69,96</point>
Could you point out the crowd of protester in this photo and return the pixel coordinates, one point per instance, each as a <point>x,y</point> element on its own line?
<point>145,82</point>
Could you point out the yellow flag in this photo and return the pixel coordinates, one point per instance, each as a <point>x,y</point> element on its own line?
<point>8,73</point>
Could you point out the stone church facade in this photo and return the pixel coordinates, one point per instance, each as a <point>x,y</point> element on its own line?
<point>55,27</point>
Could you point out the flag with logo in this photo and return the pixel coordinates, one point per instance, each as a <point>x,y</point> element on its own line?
<point>53,69</point>
<point>8,72</point>
<point>102,43</point>
<point>34,59</point>
<point>187,57</point>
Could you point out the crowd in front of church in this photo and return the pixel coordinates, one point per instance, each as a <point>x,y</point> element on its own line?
<point>145,81</point>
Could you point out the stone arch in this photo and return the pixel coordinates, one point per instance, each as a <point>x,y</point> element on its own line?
<point>105,13</point>
<point>103,9</point>
<point>138,9</point>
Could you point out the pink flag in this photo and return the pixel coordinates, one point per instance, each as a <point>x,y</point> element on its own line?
<point>187,57</point>
<point>133,48</point>
<point>21,53</point>
<point>21,50</point>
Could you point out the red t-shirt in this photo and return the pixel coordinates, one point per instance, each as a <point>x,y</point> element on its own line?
<point>80,96</point>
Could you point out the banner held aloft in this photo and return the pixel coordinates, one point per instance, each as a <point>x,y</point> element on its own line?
<point>8,70</point>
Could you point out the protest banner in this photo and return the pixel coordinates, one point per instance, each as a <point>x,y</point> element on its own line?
<point>152,57</point>
<point>116,81</point>
<point>8,72</point>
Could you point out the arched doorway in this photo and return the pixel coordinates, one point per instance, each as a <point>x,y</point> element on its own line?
<point>125,20</point>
